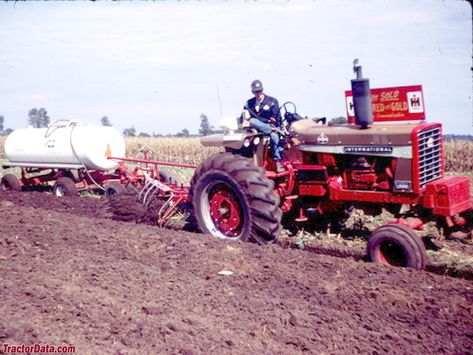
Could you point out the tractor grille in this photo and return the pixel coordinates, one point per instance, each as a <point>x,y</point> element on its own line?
<point>430,155</point>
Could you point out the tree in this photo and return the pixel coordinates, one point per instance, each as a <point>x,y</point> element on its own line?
<point>205,127</point>
<point>129,132</point>
<point>105,121</point>
<point>2,121</point>
<point>38,118</point>
<point>144,134</point>
<point>183,133</point>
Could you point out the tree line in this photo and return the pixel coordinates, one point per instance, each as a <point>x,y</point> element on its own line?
<point>451,137</point>
<point>205,129</point>
<point>39,118</point>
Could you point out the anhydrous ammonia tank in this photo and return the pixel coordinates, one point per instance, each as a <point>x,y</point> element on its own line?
<point>65,144</point>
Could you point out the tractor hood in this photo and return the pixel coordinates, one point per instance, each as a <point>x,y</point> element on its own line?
<point>380,139</point>
<point>309,132</point>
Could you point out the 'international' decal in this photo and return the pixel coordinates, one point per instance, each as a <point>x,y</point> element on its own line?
<point>368,149</point>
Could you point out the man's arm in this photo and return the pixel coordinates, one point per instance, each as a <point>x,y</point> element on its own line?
<point>250,107</point>
<point>275,113</point>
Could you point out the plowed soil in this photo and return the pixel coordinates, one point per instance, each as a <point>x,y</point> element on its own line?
<point>72,275</point>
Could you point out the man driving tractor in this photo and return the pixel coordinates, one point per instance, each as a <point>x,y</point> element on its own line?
<point>262,113</point>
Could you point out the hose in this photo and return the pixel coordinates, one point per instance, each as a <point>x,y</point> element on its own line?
<point>74,124</point>
<point>56,125</point>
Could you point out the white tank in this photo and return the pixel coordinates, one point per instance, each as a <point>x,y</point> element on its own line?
<point>65,144</point>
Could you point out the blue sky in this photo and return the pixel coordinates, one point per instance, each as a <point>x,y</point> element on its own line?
<point>159,65</point>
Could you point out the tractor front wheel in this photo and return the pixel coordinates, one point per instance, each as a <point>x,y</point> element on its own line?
<point>233,199</point>
<point>10,183</point>
<point>397,245</point>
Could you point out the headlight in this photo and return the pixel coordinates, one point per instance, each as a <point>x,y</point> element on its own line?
<point>246,143</point>
<point>256,140</point>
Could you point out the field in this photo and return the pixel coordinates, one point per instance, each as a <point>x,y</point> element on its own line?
<point>459,156</point>
<point>74,276</point>
<point>170,149</point>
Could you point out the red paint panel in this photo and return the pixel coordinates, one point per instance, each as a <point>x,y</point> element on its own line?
<point>448,196</point>
<point>312,190</point>
<point>338,193</point>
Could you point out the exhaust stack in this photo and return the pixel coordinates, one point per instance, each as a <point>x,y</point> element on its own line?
<point>360,88</point>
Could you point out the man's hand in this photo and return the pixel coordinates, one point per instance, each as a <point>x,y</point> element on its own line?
<point>281,131</point>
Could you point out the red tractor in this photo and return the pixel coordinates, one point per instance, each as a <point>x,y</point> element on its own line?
<point>239,195</point>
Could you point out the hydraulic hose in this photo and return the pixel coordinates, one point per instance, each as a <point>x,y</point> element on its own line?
<point>74,124</point>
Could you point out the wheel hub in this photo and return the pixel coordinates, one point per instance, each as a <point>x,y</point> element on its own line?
<point>392,254</point>
<point>59,191</point>
<point>225,212</point>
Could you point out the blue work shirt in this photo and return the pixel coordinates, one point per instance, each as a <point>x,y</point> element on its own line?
<point>264,110</point>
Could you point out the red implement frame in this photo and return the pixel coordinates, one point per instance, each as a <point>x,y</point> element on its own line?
<point>37,177</point>
<point>148,178</point>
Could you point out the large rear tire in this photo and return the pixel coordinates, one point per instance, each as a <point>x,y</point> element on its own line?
<point>233,199</point>
<point>65,186</point>
<point>10,183</point>
<point>397,245</point>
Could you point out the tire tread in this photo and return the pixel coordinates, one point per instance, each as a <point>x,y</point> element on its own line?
<point>264,211</point>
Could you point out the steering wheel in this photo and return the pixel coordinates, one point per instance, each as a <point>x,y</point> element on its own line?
<point>288,113</point>
<point>284,108</point>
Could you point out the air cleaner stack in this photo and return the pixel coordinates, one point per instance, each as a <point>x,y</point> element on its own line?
<point>361,97</point>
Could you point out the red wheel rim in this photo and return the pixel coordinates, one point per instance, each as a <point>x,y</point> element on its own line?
<point>390,253</point>
<point>225,210</point>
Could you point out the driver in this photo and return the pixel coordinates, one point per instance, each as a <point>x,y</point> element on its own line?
<point>262,113</point>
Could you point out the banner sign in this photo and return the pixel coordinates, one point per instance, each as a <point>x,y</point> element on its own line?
<point>402,103</point>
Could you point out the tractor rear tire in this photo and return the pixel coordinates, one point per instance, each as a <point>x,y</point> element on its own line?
<point>65,186</point>
<point>10,183</point>
<point>397,245</point>
<point>233,199</point>
<point>114,188</point>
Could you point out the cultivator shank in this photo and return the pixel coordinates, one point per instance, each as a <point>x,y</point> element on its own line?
<point>155,189</point>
